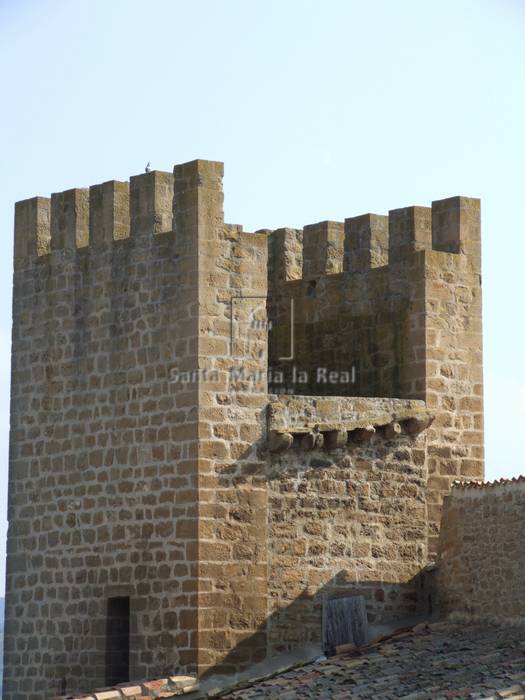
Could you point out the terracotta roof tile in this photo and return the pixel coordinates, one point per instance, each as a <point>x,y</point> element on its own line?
<point>476,484</point>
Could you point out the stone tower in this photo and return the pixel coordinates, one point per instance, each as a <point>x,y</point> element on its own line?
<point>166,513</point>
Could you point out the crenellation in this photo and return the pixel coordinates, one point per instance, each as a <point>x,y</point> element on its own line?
<point>285,255</point>
<point>366,243</point>
<point>323,249</point>
<point>100,214</point>
<point>456,226</point>
<point>32,229</point>
<point>200,175</point>
<point>70,219</point>
<point>108,212</point>
<point>410,229</point>
<point>151,203</point>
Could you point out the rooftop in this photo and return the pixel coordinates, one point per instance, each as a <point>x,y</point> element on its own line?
<point>478,484</point>
<point>441,661</point>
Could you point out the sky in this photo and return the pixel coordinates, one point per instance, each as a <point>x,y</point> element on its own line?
<point>320,110</point>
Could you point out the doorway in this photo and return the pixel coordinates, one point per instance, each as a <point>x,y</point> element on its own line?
<point>117,641</point>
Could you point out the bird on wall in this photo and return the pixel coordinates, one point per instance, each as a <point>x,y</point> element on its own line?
<point>147,169</point>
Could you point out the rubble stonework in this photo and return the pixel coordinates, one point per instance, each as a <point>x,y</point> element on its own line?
<point>345,519</point>
<point>397,300</point>
<point>148,460</point>
<point>481,563</point>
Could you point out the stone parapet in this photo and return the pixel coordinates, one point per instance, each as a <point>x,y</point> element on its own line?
<point>314,421</point>
<point>304,413</point>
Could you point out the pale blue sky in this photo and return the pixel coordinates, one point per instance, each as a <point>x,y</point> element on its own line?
<point>319,110</point>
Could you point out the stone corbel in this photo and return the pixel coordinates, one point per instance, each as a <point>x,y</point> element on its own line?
<point>279,442</point>
<point>335,439</point>
<point>312,441</point>
<point>416,424</point>
<point>363,435</point>
<point>392,430</point>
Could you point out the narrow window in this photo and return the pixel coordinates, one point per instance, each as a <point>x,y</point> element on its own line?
<point>117,641</point>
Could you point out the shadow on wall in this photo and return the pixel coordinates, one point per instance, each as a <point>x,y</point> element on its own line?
<point>305,527</point>
<point>281,639</point>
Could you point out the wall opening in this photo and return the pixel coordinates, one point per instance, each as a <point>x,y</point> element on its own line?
<point>345,621</point>
<point>117,640</point>
<point>320,344</point>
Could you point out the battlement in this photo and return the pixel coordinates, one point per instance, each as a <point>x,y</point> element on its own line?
<point>112,211</point>
<point>369,241</point>
<point>351,292</point>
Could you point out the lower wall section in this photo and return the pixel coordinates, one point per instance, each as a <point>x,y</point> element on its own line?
<point>330,501</point>
<point>346,518</point>
<point>481,565</point>
<point>299,500</point>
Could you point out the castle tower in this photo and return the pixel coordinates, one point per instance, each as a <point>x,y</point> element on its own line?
<point>168,515</point>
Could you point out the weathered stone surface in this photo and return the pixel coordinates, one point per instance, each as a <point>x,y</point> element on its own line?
<point>310,440</point>
<point>417,424</point>
<point>392,430</point>
<point>304,413</point>
<point>402,320</point>
<point>482,552</point>
<point>335,439</point>
<point>345,522</point>
<point>279,442</point>
<point>363,434</point>
<point>141,460</point>
<point>104,458</point>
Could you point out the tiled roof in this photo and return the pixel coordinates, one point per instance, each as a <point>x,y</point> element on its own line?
<point>473,484</point>
<point>437,662</point>
<point>171,687</point>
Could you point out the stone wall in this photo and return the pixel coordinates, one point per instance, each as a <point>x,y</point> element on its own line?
<point>139,389</point>
<point>388,306</point>
<point>146,463</point>
<point>103,444</point>
<point>232,574</point>
<point>329,500</point>
<point>481,564</point>
<point>348,517</point>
